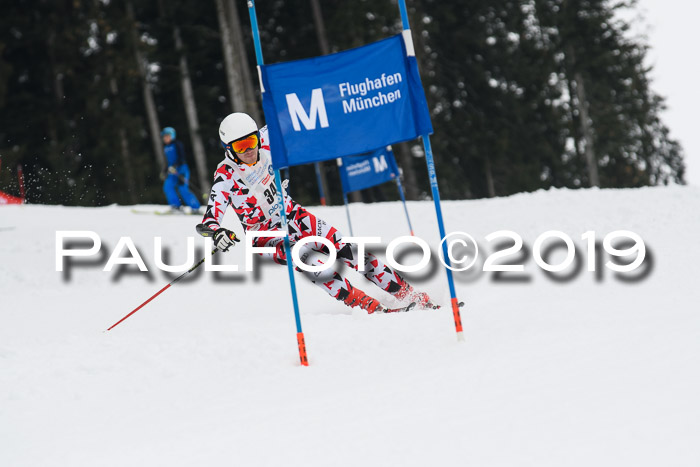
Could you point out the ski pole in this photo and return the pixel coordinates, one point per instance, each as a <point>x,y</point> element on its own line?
<point>185,181</point>
<point>204,232</point>
<point>194,186</point>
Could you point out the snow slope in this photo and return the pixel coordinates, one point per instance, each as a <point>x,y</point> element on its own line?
<point>578,373</point>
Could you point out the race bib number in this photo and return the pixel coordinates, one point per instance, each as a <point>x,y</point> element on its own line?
<point>260,180</point>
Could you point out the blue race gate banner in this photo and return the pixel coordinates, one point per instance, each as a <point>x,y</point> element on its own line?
<point>367,170</point>
<point>347,103</point>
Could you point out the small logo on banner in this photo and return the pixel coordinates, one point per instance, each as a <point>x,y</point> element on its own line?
<point>380,164</point>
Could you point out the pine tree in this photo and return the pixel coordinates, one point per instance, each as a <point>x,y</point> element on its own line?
<point>610,85</point>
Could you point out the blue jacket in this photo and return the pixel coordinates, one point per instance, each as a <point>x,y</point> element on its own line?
<point>175,154</point>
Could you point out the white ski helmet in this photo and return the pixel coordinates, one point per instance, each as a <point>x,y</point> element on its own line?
<point>236,126</point>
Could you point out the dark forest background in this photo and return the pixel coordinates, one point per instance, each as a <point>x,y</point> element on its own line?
<point>524,95</point>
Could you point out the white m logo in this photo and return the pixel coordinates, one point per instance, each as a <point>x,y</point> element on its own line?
<point>318,108</point>
<point>380,164</point>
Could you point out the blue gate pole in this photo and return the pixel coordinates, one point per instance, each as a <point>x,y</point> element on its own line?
<point>280,199</point>
<point>321,194</point>
<point>347,211</point>
<point>339,163</point>
<point>286,175</point>
<point>403,200</point>
<point>436,197</point>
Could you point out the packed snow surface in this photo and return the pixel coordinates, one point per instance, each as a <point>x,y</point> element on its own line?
<point>590,370</point>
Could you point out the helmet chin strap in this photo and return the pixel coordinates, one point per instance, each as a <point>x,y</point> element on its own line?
<point>232,155</point>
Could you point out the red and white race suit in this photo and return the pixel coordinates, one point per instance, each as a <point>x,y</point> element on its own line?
<point>251,191</point>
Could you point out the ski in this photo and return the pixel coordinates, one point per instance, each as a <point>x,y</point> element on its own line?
<point>167,213</point>
<point>435,306</point>
<point>412,305</point>
<point>408,307</point>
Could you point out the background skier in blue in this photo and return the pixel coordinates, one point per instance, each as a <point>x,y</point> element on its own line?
<point>176,179</point>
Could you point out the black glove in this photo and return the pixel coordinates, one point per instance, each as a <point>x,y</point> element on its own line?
<point>225,239</point>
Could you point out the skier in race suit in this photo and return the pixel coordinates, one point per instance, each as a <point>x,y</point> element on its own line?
<point>245,180</point>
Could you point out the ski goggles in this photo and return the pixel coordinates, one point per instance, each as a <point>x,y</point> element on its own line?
<point>242,145</point>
